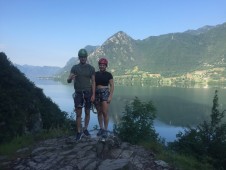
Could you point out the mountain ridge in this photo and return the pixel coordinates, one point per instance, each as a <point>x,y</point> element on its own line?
<point>38,71</point>
<point>168,54</point>
<point>24,108</point>
<point>172,54</point>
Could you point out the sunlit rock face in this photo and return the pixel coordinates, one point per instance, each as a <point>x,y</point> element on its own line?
<point>88,153</point>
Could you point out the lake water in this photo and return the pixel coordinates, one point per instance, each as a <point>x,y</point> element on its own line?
<point>176,107</point>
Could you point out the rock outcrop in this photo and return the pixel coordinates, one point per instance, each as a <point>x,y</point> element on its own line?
<point>64,153</point>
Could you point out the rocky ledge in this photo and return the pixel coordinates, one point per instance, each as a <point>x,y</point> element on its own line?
<point>91,153</point>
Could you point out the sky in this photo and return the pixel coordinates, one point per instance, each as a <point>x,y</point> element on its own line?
<point>50,32</point>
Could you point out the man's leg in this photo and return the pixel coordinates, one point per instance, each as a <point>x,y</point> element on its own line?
<point>78,101</point>
<point>87,118</point>
<point>87,98</point>
<point>78,118</point>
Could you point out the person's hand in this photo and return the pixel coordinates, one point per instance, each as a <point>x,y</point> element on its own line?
<point>92,98</point>
<point>109,100</point>
<point>72,76</point>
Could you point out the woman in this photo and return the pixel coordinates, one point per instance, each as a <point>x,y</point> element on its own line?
<point>104,92</point>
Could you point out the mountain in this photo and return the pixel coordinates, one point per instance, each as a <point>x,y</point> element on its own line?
<point>121,51</point>
<point>174,53</point>
<point>23,107</point>
<point>170,54</point>
<point>64,72</point>
<point>200,30</point>
<point>38,71</point>
<point>90,48</point>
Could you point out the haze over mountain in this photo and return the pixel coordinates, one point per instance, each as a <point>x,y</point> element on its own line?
<point>38,71</point>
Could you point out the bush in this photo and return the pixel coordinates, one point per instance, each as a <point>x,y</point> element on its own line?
<point>24,108</point>
<point>136,124</point>
<point>207,141</point>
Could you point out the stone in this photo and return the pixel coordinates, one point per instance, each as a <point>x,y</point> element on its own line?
<point>65,153</point>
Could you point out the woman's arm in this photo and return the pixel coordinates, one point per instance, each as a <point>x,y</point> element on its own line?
<point>93,88</point>
<point>111,83</point>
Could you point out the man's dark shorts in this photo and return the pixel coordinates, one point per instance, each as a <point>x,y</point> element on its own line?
<point>82,99</point>
<point>102,94</point>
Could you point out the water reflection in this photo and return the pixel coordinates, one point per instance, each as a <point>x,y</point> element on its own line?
<point>176,107</point>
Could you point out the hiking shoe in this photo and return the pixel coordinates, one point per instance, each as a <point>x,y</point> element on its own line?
<point>105,134</point>
<point>79,136</point>
<point>86,132</point>
<point>100,132</point>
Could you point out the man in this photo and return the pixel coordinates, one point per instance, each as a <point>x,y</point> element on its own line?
<point>83,75</point>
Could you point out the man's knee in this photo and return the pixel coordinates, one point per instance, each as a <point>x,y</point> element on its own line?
<point>87,111</point>
<point>78,116</point>
<point>78,110</point>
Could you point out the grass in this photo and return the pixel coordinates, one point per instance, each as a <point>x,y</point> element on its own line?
<point>181,162</point>
<point>8,151</point>
<point>19,142</point>
<point>10,148</point>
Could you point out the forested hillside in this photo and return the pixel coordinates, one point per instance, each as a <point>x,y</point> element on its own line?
<point>23,107</point>
<point>169,55</point>
<point>173,54</point>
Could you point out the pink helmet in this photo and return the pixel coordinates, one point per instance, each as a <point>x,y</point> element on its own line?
<point>103,61</point>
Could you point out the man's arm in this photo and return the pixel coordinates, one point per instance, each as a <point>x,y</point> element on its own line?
<point>70,77</point>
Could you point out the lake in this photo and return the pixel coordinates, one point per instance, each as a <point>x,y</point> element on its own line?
<point>177,107</point>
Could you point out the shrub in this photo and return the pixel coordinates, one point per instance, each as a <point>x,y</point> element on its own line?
<point>136,124</point>
<point>207,141</point>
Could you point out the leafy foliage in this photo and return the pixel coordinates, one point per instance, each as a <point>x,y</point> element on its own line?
<point>23,107</point>
<point>207,141</point>
<point>136,124</point>
<point>170,55</point>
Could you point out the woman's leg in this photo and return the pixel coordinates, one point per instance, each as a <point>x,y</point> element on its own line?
<point>99,114</point>
<point>105,114</point>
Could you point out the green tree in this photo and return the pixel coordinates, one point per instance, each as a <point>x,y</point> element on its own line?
<point>207,141</point>
<point>136,124</point>
<point>23,107</point>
